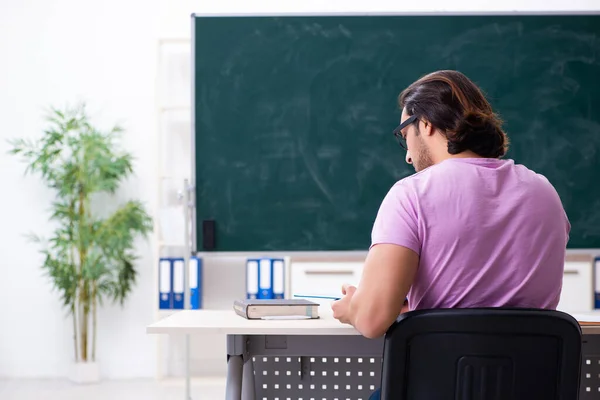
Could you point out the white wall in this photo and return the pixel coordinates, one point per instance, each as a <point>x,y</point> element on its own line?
<point>61,51</point>
<point>54,53</point>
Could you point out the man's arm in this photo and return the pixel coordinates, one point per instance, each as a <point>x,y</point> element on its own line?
<point>387,276</point>
<point>389,269</point>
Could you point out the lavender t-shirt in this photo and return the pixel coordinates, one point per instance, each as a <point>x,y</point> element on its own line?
<point>488,232</point>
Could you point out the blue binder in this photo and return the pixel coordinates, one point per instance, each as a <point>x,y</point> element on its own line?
<point>278,272</point>
<point>252,278</point>
<point>596,277</point>
<point>165,288</point>
<point>265,279</point>
<point>178,282</point>
<point>195,283</point>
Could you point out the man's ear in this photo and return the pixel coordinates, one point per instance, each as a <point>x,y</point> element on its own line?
<point>426,128</point>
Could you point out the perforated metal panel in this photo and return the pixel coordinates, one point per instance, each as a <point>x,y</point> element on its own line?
<point>590,368</point>
<point>316,378</point>
<point>287,377</point>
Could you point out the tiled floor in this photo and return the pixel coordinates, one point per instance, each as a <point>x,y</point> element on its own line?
<point>201,389</point>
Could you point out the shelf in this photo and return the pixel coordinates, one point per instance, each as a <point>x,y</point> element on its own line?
<point>170,244</point>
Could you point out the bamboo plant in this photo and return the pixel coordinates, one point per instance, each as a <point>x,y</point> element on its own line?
<point>89,255</point>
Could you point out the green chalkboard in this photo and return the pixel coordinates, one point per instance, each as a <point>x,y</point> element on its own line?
<point>294,116</point>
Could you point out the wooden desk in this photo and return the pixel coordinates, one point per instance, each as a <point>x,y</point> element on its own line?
<point>297,356</point>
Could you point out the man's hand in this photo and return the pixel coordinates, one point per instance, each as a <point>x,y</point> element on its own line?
<point>341,308</point>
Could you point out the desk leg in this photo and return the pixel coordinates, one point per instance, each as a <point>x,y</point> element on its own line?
<point>248,390</point>
<point>233,388</point>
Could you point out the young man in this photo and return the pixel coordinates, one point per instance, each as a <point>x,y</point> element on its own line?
<point>468,229</point>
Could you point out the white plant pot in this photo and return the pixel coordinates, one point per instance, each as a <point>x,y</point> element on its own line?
<point>85,372</point>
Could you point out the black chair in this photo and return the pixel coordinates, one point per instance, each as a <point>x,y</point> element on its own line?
<point>482,354</point>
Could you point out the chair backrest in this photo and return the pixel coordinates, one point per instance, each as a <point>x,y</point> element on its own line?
<point>482,354</point>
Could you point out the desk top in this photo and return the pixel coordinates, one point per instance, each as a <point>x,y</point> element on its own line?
<point>228,322</point>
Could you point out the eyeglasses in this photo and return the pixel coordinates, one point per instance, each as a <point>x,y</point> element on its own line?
<point>398,131</point>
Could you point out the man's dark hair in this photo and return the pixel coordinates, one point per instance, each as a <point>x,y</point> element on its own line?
<point>457,108</point>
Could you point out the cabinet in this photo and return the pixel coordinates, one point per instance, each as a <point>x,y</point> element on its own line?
<point>326,279</point>
<point>323,278</point>
<point>578,290</point>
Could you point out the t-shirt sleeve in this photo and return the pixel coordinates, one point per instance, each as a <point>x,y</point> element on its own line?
<point>397,221</point>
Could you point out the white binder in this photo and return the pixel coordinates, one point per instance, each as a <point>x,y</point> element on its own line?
<point>252,279</point>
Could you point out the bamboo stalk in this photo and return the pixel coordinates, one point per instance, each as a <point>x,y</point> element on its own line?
<point>85,322</point>
<point>84,300</point>
<point>94,301</point>
<point>74,313</point>
<point>74,294</point>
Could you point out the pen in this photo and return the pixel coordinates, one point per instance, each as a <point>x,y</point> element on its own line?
<point>318,297</point>
<point>326,297</point>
